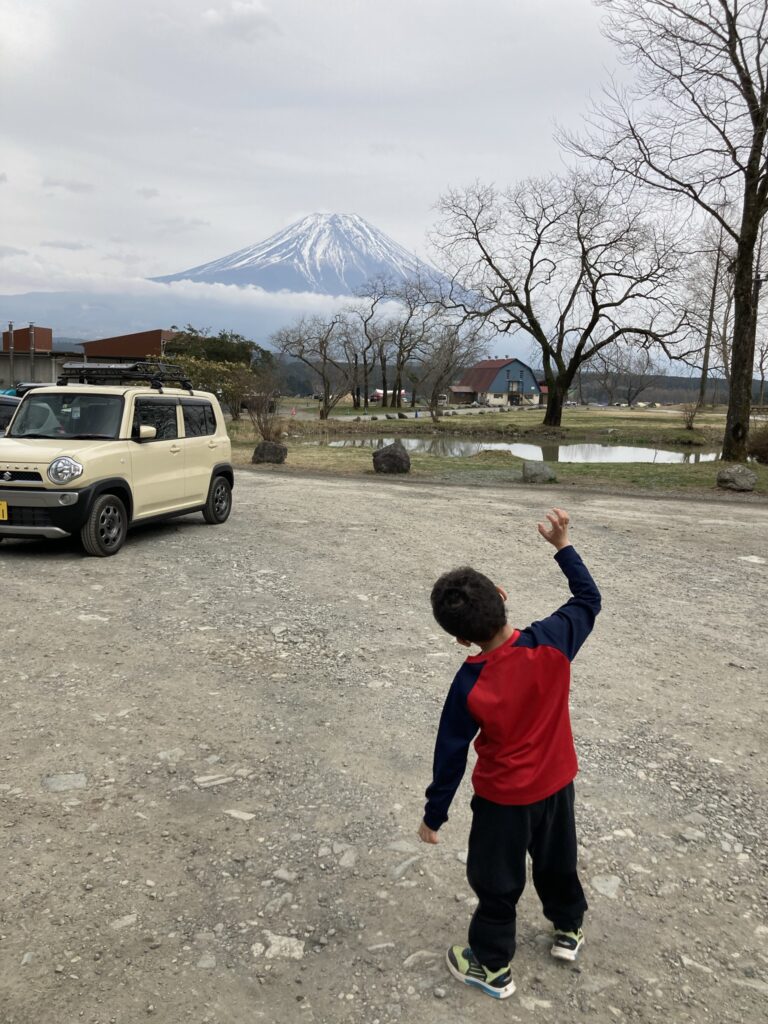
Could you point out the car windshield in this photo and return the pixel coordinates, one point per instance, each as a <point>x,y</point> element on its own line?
<point>68,414</point>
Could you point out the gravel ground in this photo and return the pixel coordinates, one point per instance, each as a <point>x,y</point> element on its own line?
<point>216,744</point>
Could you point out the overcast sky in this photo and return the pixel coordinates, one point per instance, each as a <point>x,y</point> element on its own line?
<point>149,136</point>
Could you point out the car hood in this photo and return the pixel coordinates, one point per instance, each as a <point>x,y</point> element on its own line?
<point>16,451</point>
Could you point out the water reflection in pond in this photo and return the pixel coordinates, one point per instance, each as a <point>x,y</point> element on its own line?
<point>458,447</point>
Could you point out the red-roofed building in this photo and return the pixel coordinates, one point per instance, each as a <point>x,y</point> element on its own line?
<point>497,382</point>
<point>129,347</point>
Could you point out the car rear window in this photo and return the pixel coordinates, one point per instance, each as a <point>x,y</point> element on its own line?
<point>199,418</point>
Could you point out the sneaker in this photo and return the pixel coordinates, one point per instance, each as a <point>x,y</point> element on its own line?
<point>566,945</point>
<point>465,967</point>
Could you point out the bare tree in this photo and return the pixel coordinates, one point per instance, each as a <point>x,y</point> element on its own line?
<point>573,265</point>
<point>626,370</point>
<point>262,403</point>
<point>365,327</point>
<point>409,329</point>
<point>694,126</point>
<point>445,351</point>
<point>761,363</point>
<point>319,344</point>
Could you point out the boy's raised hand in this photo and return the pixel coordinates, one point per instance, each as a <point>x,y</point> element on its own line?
<point>557,533</point>
<point>426,834</point>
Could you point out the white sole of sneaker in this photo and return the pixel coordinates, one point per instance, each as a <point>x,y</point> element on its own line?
<point>566,954</point>
<point>495,993</point>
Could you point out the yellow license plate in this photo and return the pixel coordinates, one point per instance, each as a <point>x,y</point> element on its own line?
<point>3,511</point>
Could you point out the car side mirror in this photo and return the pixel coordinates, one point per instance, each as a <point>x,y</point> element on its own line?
<point>146,433</point>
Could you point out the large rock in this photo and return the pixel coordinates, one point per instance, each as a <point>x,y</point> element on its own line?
<point>538,473</point>
<point>737,478</point>
<point>269,451</point>
<point>392,459</point>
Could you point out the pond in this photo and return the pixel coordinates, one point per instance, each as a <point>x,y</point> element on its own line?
<point>459,447</point>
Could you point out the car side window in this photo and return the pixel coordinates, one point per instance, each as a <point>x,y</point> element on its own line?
<point>197,421</point>
<point>153,412</point>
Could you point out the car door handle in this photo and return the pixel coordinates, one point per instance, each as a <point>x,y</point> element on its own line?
<point>213,444</point>
<point>175,449</point>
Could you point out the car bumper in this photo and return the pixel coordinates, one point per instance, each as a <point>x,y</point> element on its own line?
<point>42,513</point>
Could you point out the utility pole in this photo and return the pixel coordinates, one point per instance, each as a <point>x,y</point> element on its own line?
<point>12,382</point>
<point>31,351</point>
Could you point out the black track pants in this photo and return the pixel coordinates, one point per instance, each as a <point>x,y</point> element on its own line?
<point>498,841</point>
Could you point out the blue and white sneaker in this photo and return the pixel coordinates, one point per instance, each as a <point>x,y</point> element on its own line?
<point>466,968</point>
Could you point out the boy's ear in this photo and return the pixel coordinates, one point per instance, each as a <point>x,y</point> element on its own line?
<point>464,643</point>
<point>503,593</point>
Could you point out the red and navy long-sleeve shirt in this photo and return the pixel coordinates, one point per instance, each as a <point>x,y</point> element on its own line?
<point>516,697</point>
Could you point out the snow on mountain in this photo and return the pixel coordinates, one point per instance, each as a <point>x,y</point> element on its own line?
<point>328,254</point>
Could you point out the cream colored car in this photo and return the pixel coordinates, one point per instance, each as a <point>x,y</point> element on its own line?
<point>108,448</point>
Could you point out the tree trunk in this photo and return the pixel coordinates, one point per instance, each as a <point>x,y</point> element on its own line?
<point>555,400</point>
<point>383,361</point>
<point>366,387</point>
<point>710,326</point>
<point>396,388</point>
<point>742,354</point>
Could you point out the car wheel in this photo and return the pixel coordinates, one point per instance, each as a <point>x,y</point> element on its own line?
<point>219,503</point>
<point>106,527</point>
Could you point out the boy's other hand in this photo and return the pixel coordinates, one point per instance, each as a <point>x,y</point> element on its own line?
<point>426,834</point>
<point>557,533</point>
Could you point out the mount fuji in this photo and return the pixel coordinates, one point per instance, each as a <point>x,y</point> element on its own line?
<point>324,254</point>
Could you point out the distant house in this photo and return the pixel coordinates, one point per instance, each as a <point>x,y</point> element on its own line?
<point>497,382</point>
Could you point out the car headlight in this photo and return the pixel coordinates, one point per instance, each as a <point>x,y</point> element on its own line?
<point>62,470</point>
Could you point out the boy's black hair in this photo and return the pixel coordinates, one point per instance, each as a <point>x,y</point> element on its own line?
<point>467,605</point>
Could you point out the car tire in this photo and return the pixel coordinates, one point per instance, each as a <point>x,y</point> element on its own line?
<point>219,503</point>
<point>106,527</point>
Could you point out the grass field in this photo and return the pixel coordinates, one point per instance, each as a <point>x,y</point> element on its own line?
<point>645,427</point>
<point>656,428</point>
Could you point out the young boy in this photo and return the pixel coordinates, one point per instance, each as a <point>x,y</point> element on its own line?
<point>515,693</point>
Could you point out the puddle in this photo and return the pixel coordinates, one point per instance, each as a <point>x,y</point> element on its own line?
<point>460,447</point>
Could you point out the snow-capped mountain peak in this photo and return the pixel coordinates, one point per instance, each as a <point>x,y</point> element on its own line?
<point>332,254</point>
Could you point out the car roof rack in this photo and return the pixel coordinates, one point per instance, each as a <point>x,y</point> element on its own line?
<point>157,375</point>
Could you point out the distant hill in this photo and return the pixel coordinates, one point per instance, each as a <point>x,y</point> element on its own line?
<point>326,254</point>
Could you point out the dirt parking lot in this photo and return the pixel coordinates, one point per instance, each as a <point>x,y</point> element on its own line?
<point>215,747</point>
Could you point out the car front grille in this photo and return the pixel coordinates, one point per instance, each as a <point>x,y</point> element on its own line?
<point>9,476</point>
<point>28,516</point>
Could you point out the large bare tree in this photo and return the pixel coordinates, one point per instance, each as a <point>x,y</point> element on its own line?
<point>571,264</point>
<point>694,125</point>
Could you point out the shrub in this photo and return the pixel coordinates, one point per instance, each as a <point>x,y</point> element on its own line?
<point>757,445</point>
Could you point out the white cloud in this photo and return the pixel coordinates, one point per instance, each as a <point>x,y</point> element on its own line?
<point>181,225</point>
<point>241,20</point>
<point>11,250</point>
<point>69,185</point>
<point>69,246</point>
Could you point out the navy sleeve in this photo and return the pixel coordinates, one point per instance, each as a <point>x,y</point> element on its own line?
<point>456,732</point>
<point>570,625</point>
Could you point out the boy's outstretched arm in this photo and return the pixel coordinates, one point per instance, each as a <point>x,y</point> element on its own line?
<point>457,730</point>
<point>571,624</point>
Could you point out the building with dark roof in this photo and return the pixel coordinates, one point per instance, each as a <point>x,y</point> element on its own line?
<point>497,382</point>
